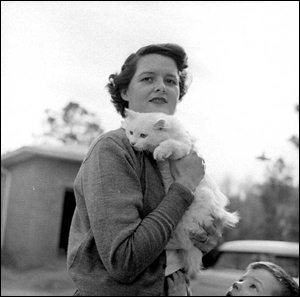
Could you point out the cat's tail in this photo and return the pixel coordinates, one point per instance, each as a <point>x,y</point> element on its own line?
<point>188,260</point>
<point>192,261</point>
<point>220,202</point>
<point>230,219</point>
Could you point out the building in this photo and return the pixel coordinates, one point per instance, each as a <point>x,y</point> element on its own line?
<point>37,203</point>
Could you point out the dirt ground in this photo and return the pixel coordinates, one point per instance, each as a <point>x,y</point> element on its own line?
<point>52,280</point>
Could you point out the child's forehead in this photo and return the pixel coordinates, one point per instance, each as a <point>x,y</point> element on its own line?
<point>264,278</point>
<point>258,273</point>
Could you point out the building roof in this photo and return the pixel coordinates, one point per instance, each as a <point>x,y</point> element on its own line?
<point>68,153</point>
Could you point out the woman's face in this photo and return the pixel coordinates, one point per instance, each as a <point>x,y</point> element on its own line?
<point>154,86</point>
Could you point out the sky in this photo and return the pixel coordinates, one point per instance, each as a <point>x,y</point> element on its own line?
<point>243,58</point>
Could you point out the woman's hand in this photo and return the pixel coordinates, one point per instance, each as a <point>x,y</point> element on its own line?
<point>207,240</point>
<point>188,170</point>
<point>178,284</point>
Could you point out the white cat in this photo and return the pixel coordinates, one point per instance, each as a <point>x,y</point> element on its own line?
<point>166,137</point>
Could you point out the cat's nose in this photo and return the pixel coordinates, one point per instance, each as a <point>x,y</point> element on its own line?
<point>132,143</point>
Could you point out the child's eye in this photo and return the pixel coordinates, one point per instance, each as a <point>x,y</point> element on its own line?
<point>253,287</point>
<point>143,135</point>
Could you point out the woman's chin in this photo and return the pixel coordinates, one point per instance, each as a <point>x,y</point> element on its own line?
<point>163,108</point>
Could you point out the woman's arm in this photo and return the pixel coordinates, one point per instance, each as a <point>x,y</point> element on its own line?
<point>126,243</point>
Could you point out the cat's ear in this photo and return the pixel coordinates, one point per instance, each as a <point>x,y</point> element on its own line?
<point>124,124</point>
<point>160,124</point>
<point>130,113</point>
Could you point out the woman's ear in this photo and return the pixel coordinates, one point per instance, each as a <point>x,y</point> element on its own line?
<point>124,94</point>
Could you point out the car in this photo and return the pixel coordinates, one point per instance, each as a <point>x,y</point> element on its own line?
<point>231,259</point>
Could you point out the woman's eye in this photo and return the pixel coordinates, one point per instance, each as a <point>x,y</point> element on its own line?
<point>143,135</point>
<point>171,81</point>
<point>148,79</point>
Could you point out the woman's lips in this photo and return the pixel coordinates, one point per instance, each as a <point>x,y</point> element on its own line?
<point>159,100</point>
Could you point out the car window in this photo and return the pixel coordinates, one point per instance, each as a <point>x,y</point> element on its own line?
<point>291,265</point>
<point>238,260</point>
<point>233,260</point>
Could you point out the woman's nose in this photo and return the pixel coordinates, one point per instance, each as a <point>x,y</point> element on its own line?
<point>160,86</point>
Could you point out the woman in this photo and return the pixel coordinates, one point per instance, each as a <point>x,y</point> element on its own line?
<point>123,219</point>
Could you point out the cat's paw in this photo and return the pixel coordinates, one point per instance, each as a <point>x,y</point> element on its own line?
<point>161,154</point>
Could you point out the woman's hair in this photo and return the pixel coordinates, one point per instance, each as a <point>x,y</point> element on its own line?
<point>288,286</point>
<point>119,82</point>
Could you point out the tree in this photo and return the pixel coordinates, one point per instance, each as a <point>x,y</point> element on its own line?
<point>294,138</point>
<point>271,209</point>
<point>280,200</point>
<point>74,125</point>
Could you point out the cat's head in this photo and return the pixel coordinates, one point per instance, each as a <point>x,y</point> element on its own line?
<point>145,131</point>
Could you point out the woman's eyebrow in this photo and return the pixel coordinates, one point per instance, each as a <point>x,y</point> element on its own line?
<point>153,73</point>
<point>172,75</point>
<point>146,73</point>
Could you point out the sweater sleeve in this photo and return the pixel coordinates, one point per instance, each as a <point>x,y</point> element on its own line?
<point>126,243</point>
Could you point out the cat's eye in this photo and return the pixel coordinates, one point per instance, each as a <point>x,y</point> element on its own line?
<point>143,135</point>
<point>130,132</point>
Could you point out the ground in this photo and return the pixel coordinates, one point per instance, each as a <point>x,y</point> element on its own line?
<point>51,280</point>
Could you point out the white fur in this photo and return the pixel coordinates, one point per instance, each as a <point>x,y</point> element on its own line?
<point>165,136</point>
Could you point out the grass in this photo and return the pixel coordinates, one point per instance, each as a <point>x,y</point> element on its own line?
<point>51,280</point>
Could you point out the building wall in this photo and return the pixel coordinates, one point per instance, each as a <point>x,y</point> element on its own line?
<point>5,187</point>
<point>35,210</point>
<point>3,182</point>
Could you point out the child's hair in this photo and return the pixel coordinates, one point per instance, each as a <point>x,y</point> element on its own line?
<point>288,286</point>
<point>119,82</point>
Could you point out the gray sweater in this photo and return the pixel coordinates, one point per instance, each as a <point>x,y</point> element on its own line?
<point>122,222</point>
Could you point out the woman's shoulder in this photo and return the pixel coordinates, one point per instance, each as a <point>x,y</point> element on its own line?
<point>117,136</point>
<point>111,140</point>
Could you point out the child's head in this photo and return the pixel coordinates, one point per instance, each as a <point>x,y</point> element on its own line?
<point>264,279</point>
